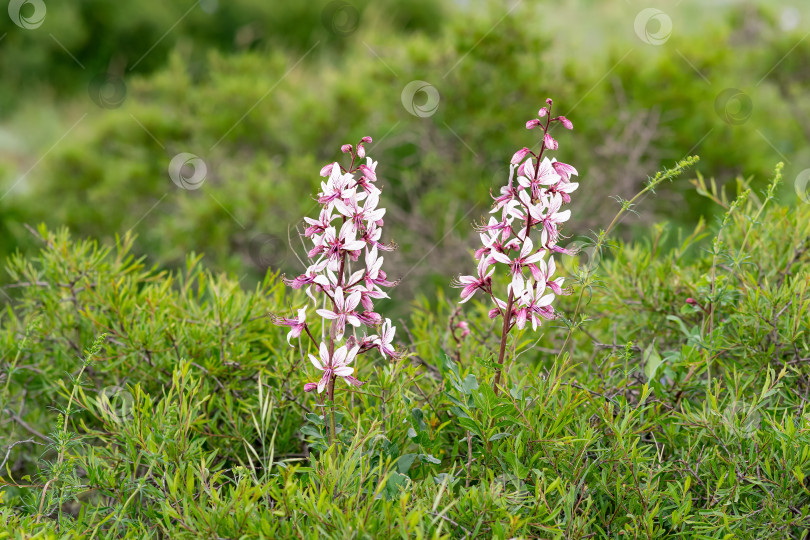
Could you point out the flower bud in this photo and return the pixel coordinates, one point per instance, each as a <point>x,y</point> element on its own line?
<point>531,124</point>
<point>542,113</point>
<point>565,121</point>
<point>465,328</point>
<point>519,156</point>
<point>346,148</point>
<point>368,173</point>
<point>549,141</point>
<point>365,139</point>
<point>361,151</point>
<point>327,170</point>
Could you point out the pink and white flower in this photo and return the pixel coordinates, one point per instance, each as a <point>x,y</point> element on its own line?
<point>317,226</point>
<point>532,308</point>
<point>296,325</point>
<point>338,186</point>
<point>343,311</point>
<point>385,340</point>
<point>309,276</point>
<point>564,170</point>
<point>470,284</point>
<point>526,257</point>
<point>336,365</point>
<point>335,244</point>
<point>542,273</point>
<point>553,218</point>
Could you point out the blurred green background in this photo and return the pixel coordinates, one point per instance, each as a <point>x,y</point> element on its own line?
<point>98,97</point>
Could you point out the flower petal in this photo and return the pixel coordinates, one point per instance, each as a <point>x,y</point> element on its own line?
<point>323,381</point>
<point>339,358</point>
<point>315,362</point>
<point>344,371</point>
<point>326,314</point>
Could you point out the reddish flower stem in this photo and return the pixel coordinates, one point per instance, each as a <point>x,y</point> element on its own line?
<point>331,394</point>
<point>504,334</point>
<point>331,385</point>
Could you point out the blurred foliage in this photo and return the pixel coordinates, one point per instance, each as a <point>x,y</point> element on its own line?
<point>187,418</point>
<point>266,116</point>
<point>81,39</point>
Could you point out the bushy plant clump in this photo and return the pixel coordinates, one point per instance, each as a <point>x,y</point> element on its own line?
<point>85,44</point>
<point>666,399</point>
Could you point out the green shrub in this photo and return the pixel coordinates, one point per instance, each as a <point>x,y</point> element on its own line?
<point>79,40</point>
<point>640,414</point>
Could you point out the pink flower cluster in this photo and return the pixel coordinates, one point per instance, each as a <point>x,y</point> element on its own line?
<point>348,227</point>
<point>532,202</point>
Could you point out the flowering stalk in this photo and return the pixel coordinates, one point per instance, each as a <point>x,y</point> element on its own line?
<point>349,225</point>
<point>531,203</point>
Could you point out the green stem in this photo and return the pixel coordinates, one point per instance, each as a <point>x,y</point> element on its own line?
<point>660,177</point>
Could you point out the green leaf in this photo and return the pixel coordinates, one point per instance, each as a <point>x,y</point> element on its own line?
<point>519,470</point>
<point>680,323</point>
<point>469,384</point>
<point>442,477</point>
<point>502,409</point>
<point>430,459</point>
<point>448,365</point>
<point>458,411</point>
<point>470,425</point>
<point>396,482</point>
<point>404,462</point>
<point>651,361</point>
<point>312,432</point>
<point>487,398</point>
<point>489,363</point>
<point>418,419</point>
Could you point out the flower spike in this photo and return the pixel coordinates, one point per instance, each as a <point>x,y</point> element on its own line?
<point>348,227</point>
<point>531,205</point>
